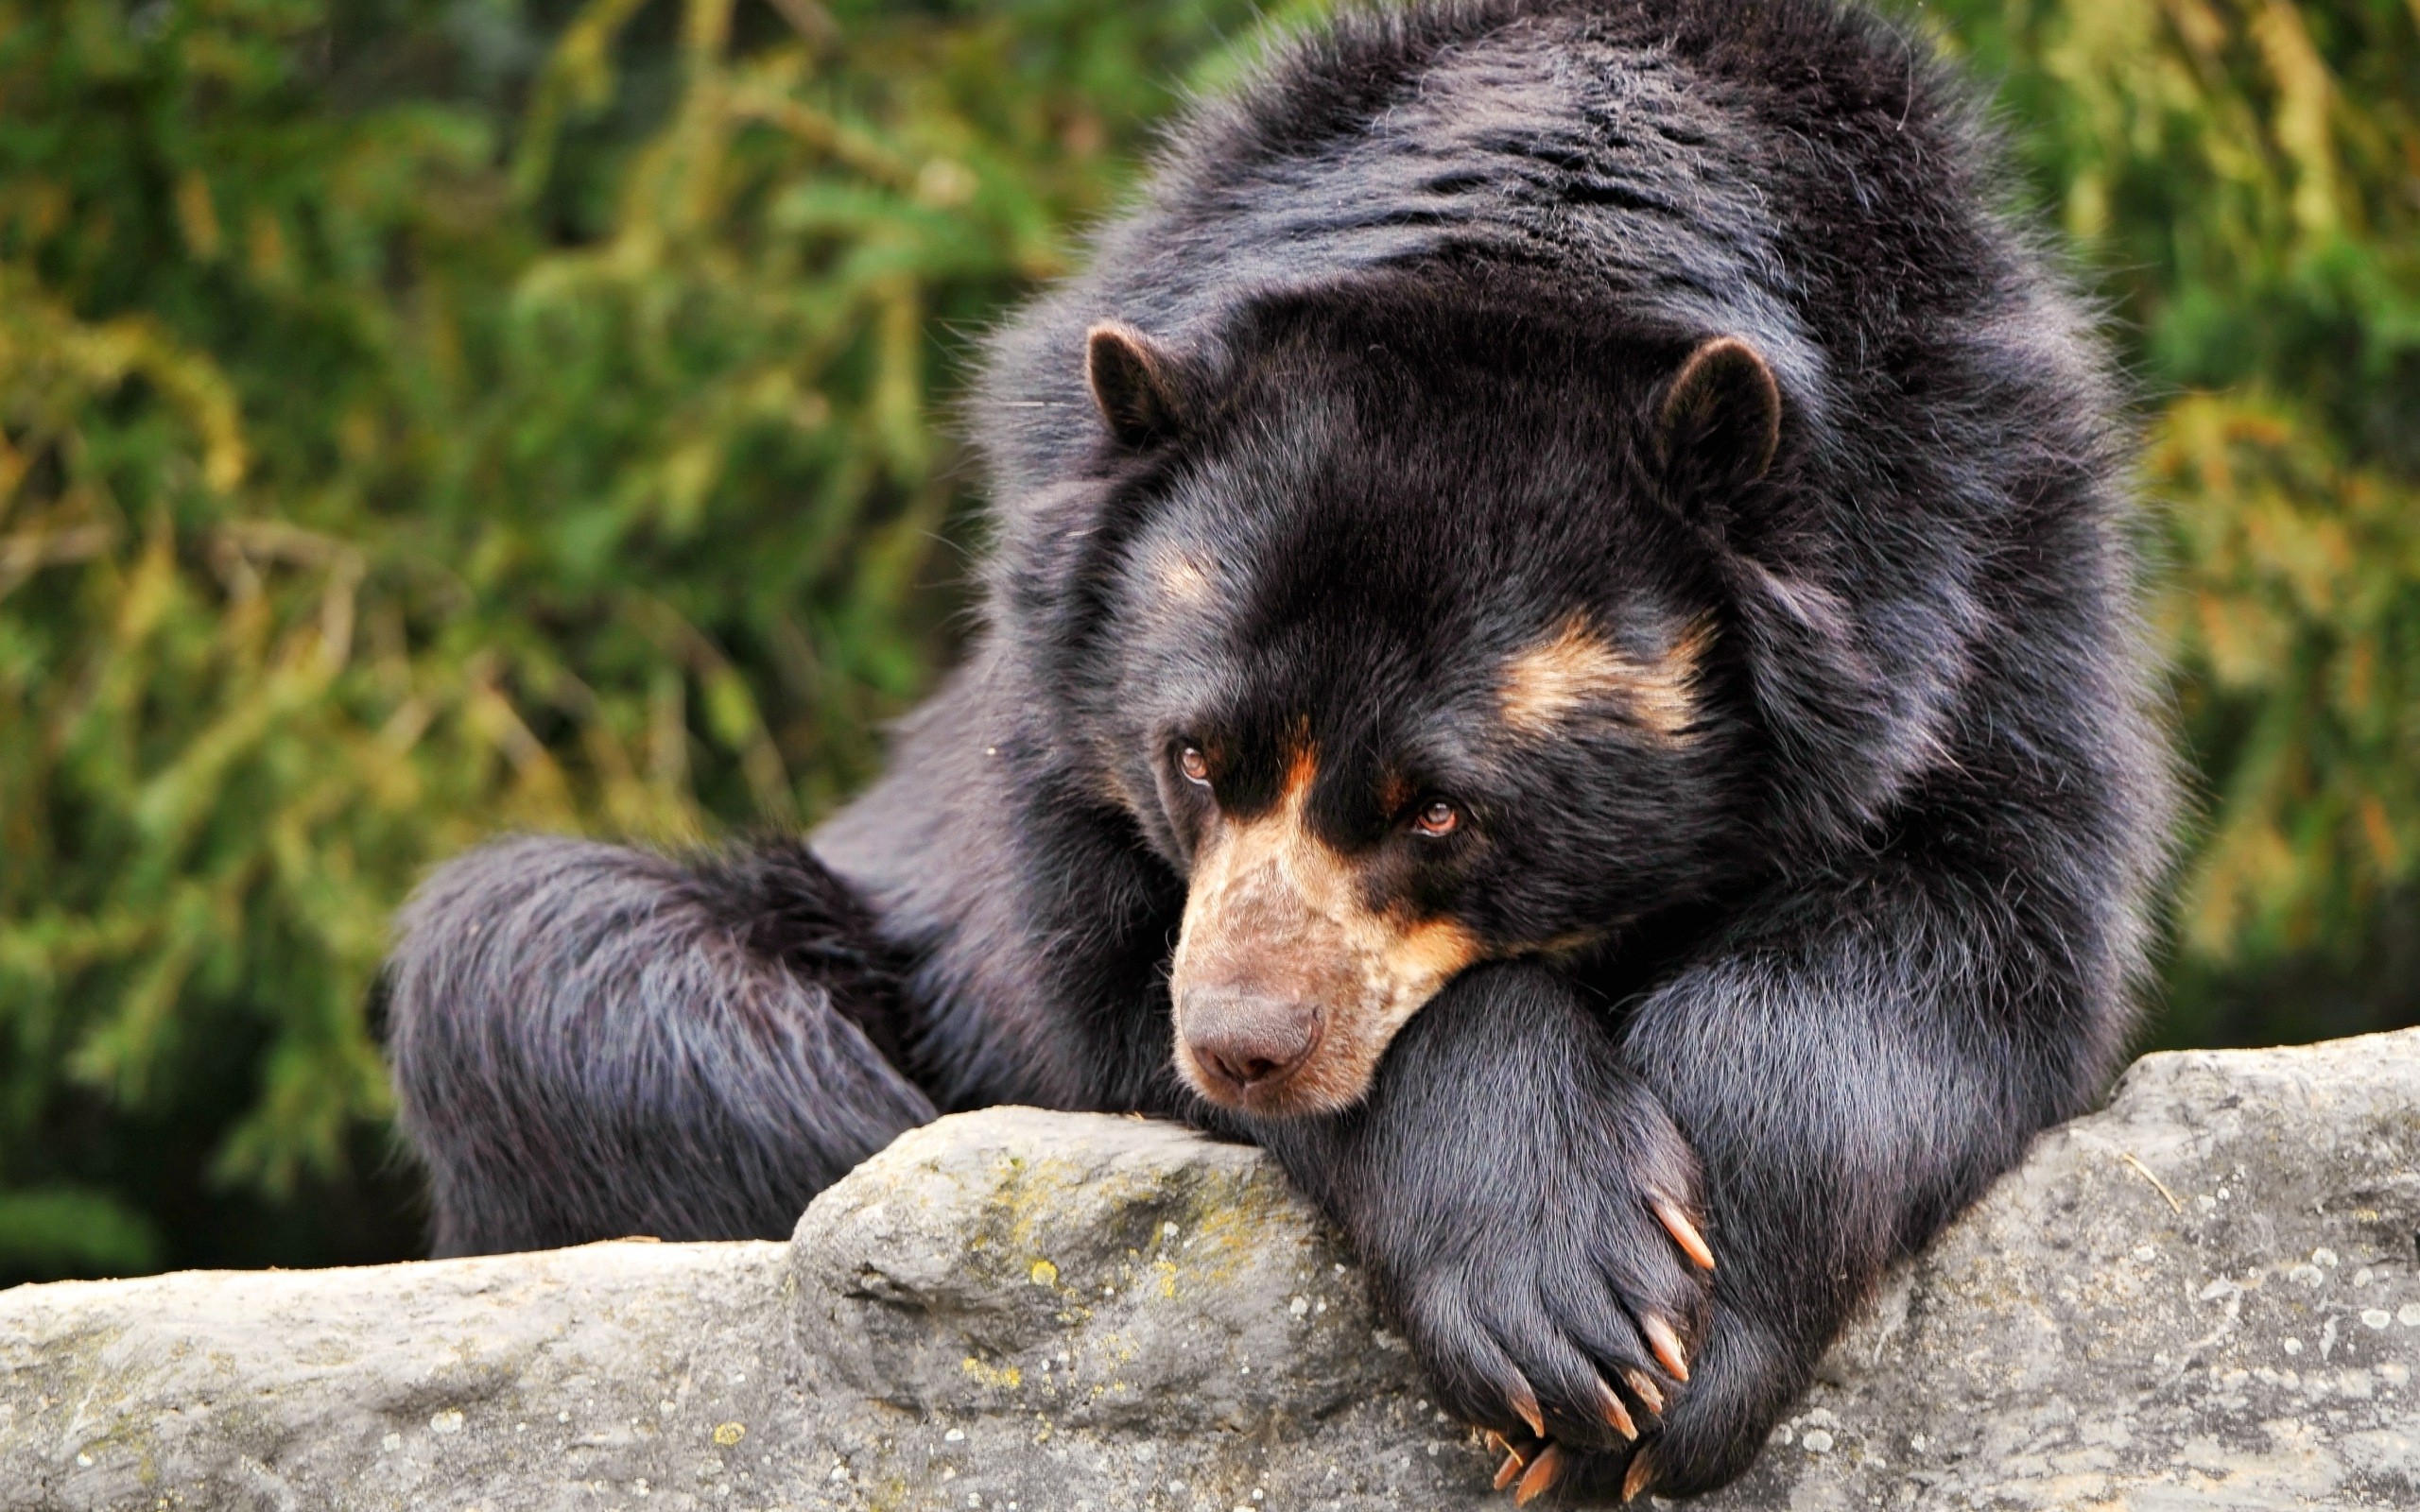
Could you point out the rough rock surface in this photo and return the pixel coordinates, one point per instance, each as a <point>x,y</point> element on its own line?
<point>2206,1297</point>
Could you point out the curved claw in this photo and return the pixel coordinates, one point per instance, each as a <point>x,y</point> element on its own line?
<point>1614,1413</point>
<point>1510,1469</point>
<point>1684,1232</point>
<point>1525,1402</point>
<point>1635,1478</point>
<point>1544,1471</point>
<point>1643,1386</point>
<point>1666,1345</point>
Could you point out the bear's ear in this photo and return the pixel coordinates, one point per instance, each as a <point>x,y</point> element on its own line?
<point>1720,423</point>
<point>1132,380</point>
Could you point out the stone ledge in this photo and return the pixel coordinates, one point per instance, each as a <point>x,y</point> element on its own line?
<point>2206,1297</point>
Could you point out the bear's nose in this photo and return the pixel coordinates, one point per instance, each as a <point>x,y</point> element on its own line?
<point>1247,1040</point>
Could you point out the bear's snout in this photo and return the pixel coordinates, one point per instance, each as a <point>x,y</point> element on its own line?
<point>1242,1040</point>
<point>1286,983</point>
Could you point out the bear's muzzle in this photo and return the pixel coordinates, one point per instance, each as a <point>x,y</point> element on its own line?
<point>1288,983</point>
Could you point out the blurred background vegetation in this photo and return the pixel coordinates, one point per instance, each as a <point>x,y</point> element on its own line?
<point>423,417</point>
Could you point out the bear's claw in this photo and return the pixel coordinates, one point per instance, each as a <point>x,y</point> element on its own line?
<point>1615,1413</point>
<point>1666,1345</point>
<point>1643,1386</point>
<point>1544,1471</point>
<point>1510,1469</point>
<point>1525,1401</point>
<point>1684,1232</point>
<point>1634,1479</point>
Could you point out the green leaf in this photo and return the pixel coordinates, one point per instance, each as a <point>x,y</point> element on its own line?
<point>61,1230</point>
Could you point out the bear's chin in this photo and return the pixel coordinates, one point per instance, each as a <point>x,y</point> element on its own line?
<point>1322,1085</point>
<point>1286,1100</point>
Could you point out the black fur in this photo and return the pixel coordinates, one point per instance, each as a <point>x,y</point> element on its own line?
<point>1407,312</point>
<point>591,1042</point>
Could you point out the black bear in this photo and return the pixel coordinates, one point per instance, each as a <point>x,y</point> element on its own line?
<point>1559,652</point>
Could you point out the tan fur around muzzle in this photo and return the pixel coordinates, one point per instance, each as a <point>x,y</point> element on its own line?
<point>1274,913</point>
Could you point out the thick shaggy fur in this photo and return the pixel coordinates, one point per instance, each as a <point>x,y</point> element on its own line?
<point>594,1042</point>
<point>1815,961</point>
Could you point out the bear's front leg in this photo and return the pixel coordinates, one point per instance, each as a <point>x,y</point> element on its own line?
<point>1531,1212</point>
<point>1853,1062</point>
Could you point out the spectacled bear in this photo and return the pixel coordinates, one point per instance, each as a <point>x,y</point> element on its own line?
<point>1558,651</point>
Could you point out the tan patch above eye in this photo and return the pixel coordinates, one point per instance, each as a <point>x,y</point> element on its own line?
<point>1183,577</point>
<point>1575,671</point>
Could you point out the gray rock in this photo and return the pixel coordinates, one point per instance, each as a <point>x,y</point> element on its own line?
<point>517,1382</point>
<point>2206,1297</point>
<point>1098,1314</point>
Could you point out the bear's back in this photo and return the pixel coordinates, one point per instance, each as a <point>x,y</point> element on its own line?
<point>1794,172</point>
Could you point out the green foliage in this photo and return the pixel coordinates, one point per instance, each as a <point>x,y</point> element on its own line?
<point>2245,177</point>
<point>385,466</point>
<point>70,1230</point>
<point>423,417</point>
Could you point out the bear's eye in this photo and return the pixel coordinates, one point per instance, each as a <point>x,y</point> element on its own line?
<point>1437,816</point>
<point>1195,766</point>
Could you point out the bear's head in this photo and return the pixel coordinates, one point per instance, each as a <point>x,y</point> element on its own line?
<point>1402,640</point>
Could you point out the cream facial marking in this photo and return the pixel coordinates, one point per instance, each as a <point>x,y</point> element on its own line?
<point>1274,915</point>
<point>1574,671</point>
<point>1185,578</point>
